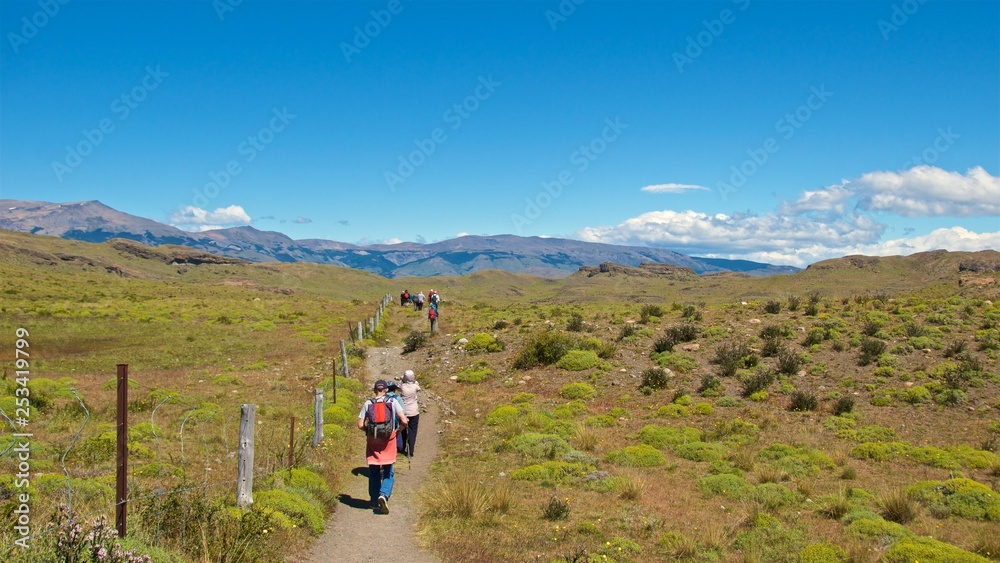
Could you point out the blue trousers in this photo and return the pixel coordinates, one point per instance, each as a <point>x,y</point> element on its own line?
<point>380,479</point>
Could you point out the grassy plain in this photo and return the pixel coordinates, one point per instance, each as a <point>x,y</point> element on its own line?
<point>571,445</point>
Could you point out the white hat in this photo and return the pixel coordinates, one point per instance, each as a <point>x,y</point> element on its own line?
<point>408,376</point>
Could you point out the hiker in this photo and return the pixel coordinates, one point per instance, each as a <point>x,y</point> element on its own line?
<point>418,301</point>
<point>432,314</point>
<point>435,298</point>
<point>408,392</point>
<point>392,392</point>
<point>380,418</point>
<point>404,298</point>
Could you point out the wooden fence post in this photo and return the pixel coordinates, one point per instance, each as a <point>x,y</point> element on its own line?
<point>244,459</point>
<point>318,417</point>
<point>343,359</point>
<point>121,474</point>
<point>291,444</point>
<point>334,369</point>
<point>361,335</point>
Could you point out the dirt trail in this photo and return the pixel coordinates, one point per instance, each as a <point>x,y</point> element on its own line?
<point>355,534</point>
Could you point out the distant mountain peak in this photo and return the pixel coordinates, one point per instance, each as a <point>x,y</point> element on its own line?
<point>93,221</point>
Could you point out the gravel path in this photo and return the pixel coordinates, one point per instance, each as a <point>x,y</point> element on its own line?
<point>354,534</point>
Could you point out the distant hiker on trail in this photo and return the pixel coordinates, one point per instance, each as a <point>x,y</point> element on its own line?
<point>435,299</point>
<point>432,314</point>
<point>380,418</point>
<point>408,392</point>
<point>418,301</point>
<point>404,298</point>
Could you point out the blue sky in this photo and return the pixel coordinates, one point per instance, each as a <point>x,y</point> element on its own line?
<point>785,132</point>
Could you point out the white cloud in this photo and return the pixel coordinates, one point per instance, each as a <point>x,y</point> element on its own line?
<point>922,191</point>
<point>671,188</point>
<point>462,234</point>
<point>954,239</point>
<point>195,219</point>
<point>695,232</point>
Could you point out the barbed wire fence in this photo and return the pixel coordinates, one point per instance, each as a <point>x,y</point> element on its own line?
<point>160,488</point>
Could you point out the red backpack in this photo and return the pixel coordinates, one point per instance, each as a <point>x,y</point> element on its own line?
<point>432,314</point>
<point>380,419</point>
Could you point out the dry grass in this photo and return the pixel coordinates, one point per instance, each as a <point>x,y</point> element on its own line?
<point>896,505</point>
<point>744,458</point>
<point>837,506</point>
<point>631,487</point>
<point>467,499</point>
<point>770,474</point>
<point>586,438</point>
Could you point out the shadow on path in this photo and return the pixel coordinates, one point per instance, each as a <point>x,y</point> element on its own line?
<point>361,471</point>
<point>348,500</point>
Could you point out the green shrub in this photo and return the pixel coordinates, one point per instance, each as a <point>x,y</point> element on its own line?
<point>730,486</point>
<point>570,409</point>
<point>681,363</point>
<point>577,391</point>
<point>796,461</point>
<point>545,348</point>
<point>619,549</point>
<point>774,496</point>
<point>843,405</point>
<point>880,451</point>
<point>964,498</point>
<point>803,401</point>
<point>533,445</point>
<point>929,550</point>
<point>601,421</point>
<point>734,356</point>
<point>789,363</point>
<point>337,414</point>
<point>877,530</point>
<point>918,394</point>
<point>727,401</point>
<point>301,511</point>
<point>673,411</point>
<point>642,455</point>
<point>502,415</point>
<point>756,382</point>
<point>871,349</point>
<point>654,378</point>
<point>475,374</point>
<point>702,409</point>
<point>415,340</point>
<point>662,437</point>
<point>822,553</point>
<point>302,479</point>
<point>876,433</point>
<point>578,360</point>
<point>522,398</point>
<point>554,471</point>
<point>483,342</point>
<point>701,451</point>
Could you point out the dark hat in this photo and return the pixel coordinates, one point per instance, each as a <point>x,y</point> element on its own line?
<point>392,385</point>
<point>380,385</point>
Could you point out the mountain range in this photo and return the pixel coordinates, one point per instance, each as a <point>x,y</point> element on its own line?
<point>92,221</point>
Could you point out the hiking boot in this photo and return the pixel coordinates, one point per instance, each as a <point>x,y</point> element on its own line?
<point>383,505</point>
